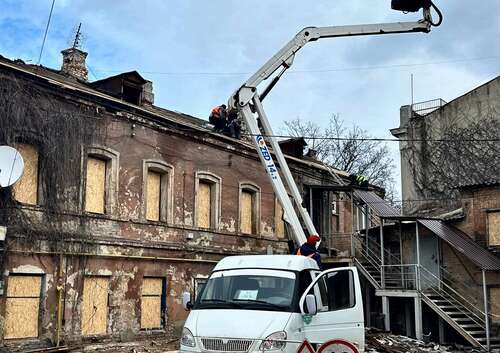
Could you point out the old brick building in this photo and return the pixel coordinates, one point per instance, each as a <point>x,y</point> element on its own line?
<point>124,205</point>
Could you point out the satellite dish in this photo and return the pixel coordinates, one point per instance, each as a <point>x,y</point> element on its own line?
<point>11,166</point>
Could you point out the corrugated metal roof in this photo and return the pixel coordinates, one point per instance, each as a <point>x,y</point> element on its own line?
<point>381,207</point>
<point>460,241</point>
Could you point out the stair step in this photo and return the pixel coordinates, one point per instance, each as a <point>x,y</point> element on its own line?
<point>471,326</point>
<point>463,319</point>
<point>447,307</point>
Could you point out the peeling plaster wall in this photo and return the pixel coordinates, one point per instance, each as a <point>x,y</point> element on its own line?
<point>122,244</point>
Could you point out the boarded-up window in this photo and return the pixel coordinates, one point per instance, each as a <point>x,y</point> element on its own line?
<point>22,306</point>
<point>95,306</point>
<point>153,202</point>
<point>152,290</point>
<point>26,188</point>
<point>279,223</point>
<point>204,205</point>
<point>494,228</point>
<point>247,212</point>
<point>495,304</point>
<point>95,191</point>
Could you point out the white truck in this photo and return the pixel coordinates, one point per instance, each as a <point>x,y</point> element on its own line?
<point>276,302</point>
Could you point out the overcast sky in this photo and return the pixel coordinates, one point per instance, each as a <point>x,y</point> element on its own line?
<point>198,52</point>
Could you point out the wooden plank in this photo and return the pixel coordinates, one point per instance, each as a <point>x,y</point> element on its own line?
<point>95,192</point>
<point>493,228</point>
<point>26,189</point>
<point>246,212</point>
<point>151,312</point>
<point>21,317</point>
<point>204,205</point>
<point>279,223</point>
<point>152,286</point>
<point>24,286</point>
<point>95,306</point>
<point>153,196</point>
<point>495,304</point>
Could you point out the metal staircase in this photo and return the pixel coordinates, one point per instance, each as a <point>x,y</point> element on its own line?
<point>461,310</point>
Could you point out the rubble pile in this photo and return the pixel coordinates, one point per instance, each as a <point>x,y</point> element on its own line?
<point>387,343</point>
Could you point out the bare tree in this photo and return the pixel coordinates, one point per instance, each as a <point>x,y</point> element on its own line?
<point>346,149</point>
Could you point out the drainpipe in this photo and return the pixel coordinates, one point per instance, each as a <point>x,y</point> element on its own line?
<point>486,314</point>
<point>60,289</point>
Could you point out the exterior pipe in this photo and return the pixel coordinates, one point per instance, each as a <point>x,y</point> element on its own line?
<point>158,258</point>
<point>486,315</point>
<point>60,289</point>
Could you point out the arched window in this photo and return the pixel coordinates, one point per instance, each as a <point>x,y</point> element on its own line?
<point>157,192</point>
<point>249,206</point>
<point>207,200</point>
<point>101,180</point>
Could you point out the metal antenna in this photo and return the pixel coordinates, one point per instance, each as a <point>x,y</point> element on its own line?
<point>78,37</point>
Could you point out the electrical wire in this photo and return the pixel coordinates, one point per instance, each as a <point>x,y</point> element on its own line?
<point>378,139</point>
<point>208,73</point>
<point>46,31</point>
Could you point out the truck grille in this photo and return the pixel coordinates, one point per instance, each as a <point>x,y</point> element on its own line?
<point>229,345</point>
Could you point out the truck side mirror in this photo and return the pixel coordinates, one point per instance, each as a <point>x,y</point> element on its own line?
<point>186,301</point>
<point>311,304</point>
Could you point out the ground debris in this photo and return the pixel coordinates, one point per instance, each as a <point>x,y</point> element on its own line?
<point>378,342</point>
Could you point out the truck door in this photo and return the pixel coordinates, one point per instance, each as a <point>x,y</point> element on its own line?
<point>339,308</point>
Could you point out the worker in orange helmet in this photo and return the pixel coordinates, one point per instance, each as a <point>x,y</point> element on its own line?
<point>309,249</point>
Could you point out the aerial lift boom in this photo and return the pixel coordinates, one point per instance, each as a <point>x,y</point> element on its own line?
<point>248,102</point>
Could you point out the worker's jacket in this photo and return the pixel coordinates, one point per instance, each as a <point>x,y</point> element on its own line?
<point>310,251</point>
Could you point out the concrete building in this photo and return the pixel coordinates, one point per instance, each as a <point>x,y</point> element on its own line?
<point>435,268</point>
<point>445,145</point>
<point>124,205</point>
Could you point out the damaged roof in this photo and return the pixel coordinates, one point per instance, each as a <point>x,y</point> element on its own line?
<point>58,79</point>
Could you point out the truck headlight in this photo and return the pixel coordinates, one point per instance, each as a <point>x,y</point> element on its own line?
<point>187,338</point>
<point>274,341</point>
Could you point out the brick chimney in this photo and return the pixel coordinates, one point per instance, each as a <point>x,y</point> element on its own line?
<point>74,63</point>
<point>148,97</point>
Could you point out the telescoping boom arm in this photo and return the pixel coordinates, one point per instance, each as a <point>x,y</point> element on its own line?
<point>249,103</point>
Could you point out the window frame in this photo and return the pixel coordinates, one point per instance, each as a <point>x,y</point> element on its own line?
<point>112,159</point>
<point>166,172</point>
<point>255,190</point>
<point>215,182</point>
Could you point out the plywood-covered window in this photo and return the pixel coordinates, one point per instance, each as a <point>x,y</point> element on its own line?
<point>249,208</point>
<point>26,188</point>
<point>95,191</point>
<point>22,306</point>
<point>278,220</point>
<point>157,191</point>
<point>95,306</point>
<point>207,200</point>
<point>495,304</point>
<point>154,196</point>
<point>152,303</point>
<point>494,228</point>
<point>100,194</point>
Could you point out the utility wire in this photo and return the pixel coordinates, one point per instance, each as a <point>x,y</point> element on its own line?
<point>378,139</point>
<point>207,73</point>
<point>46,31</point>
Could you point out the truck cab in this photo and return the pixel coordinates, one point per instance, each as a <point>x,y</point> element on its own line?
<point>274,303</point>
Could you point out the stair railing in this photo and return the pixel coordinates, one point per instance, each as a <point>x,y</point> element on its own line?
<point>438,287</point>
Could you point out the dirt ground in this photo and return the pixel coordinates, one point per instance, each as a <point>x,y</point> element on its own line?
<point>376,342</point>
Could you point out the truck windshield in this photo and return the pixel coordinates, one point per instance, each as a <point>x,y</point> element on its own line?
<point>253,289</point>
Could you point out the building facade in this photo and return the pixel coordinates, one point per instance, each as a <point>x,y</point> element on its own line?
<point>123,206</point>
